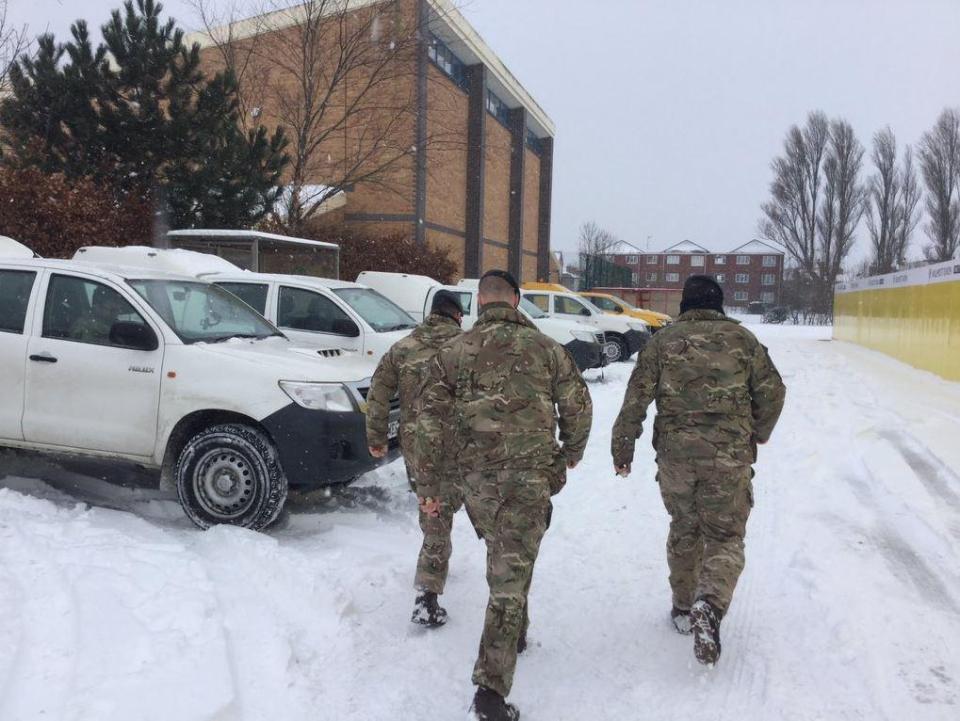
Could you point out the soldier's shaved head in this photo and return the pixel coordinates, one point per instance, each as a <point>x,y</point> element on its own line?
<point>499,286</point>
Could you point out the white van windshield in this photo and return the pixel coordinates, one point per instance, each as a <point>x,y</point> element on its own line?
<point>201,312</point>
<point>531,310</point>
<point>382,314</point>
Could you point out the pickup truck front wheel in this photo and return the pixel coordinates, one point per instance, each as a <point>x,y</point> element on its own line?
<point>230,473</point>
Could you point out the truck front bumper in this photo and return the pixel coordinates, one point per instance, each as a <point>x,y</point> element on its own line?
<point>586,355</point>
<point>635,341</point>
<point>319,448</point>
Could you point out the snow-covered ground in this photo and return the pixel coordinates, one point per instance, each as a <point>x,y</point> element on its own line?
<point>112,607</point>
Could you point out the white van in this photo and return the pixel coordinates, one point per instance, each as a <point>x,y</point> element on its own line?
<point>625,336</point>
<point>415,294</point>
<point>316,313</point>
<point>178,376</point>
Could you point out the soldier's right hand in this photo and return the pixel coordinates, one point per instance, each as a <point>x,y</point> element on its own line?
<point>622,470</point>
<point>430,506</point>
<point>377,451</point>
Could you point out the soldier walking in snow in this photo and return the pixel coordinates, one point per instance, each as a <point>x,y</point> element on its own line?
<point>401,371</point>
<point>718,396</point>
<point>493,401</point>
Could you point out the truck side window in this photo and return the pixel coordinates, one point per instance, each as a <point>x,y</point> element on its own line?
<point>85,311</point>
<point>15,287</point>
<point>253,294</point>
<point>569,306</point>
<point>541,301</point>
<point>306,310</point>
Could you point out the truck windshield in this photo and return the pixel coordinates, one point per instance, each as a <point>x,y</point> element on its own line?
<point>531,310</point>
<point>201,312</point>
<point>380,312</point>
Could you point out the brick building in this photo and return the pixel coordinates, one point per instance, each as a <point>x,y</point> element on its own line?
<point>749,273</point>
<point>476,169</point>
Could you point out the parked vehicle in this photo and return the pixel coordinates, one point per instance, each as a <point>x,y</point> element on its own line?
<point>779,314</point>
<point>625,336</point>
<point>180,377</point>
<point>10,248</point>
<point>317,313</point>
<point>415,294</point>
<point>618,306</point>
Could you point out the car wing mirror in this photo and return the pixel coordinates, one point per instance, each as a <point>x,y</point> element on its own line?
<point>345,328</point>
<point>135,336</point>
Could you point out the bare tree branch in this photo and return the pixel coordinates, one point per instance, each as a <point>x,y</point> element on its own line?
<point>940,168</point>
<point>14,42</point>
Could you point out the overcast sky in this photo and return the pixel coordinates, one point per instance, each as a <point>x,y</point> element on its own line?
<point>669,111</point>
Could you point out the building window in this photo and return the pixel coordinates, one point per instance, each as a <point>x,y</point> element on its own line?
<point>673,260</point>
<point>671,277</point>
<point>635,279</point>
<point>721,278</point>
<point>652,259</point>
<point>743,277</point>
<point>740,295</point>
<point>769,279</point>
<point>651,277</point>
<point>696,261</point>
<point>534,143</point>
<point>769,261</point>
<point>449,63</point>
<point>767,297</point>
<point>632,259</point>
<point>743,260</point>
<point>497,108</point>
<point>720,260</point>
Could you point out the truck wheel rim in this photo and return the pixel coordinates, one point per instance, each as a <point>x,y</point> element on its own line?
<point>613,352</point>
<point>223,482</point>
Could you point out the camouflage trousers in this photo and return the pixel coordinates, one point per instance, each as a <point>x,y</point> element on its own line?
<point>510,512</point>
<point>708,503</point>
<point>434,560</point>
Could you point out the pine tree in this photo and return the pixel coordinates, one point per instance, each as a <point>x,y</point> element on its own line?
<point>137,114</point>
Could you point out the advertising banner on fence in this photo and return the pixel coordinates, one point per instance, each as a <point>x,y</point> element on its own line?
<point>938,273</point>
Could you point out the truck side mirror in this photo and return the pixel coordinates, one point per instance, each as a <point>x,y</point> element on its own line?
<point>135,336</point>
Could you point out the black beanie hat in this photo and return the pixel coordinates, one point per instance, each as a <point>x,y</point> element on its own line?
<point>447,303</point>
<point>505,276</point>
<point>701,292</point>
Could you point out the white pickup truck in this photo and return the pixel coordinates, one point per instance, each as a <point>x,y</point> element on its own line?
<point>414,293</point>
<point>180,377</point>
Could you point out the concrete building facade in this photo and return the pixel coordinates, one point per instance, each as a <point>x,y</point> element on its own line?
<point>477,179</point>
<point>749,273</point>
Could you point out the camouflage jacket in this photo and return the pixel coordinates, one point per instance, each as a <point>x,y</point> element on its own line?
<point>493,401</point>
<point>718,393</point>
<point>402,371</point>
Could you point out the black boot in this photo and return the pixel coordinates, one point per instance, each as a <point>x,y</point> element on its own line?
<point>681,620</point>
<point>488,705</point>
<point>427,610</point>
<point>706,632</point>
<point>522,642</point>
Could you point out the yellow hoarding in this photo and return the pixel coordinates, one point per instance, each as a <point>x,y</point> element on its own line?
<point>912,315</point>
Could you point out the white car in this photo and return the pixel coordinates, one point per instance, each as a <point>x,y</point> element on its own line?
<point>316,313</point>
<point>415,294</point>
<point>178,376</point>
<point>625,336</point>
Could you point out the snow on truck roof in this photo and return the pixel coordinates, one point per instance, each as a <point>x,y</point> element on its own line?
<point>10,248</point>
<point>110,271</point>
<point>169,260</point>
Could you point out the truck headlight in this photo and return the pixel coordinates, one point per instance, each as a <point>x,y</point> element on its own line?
<point>639,327</point>
<point>319,396</point>
<point>584,335</point>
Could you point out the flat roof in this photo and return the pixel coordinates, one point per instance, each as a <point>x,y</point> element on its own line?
<point>446,21</point>
<point>238,235</point>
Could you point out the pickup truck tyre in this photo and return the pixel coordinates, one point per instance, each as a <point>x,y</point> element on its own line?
<point>229,473</point>
<point>622,352</point>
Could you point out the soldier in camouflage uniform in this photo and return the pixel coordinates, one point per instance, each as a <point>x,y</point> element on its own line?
<point>493,401</point>
<point>401,371</point>
<point>718,395</point>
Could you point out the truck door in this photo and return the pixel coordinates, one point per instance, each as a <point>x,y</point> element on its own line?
<point>93,371</point>
<point>312,319</point>
<point>16,287</point>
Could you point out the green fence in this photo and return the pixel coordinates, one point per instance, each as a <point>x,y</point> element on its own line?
<point>600,272</point>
